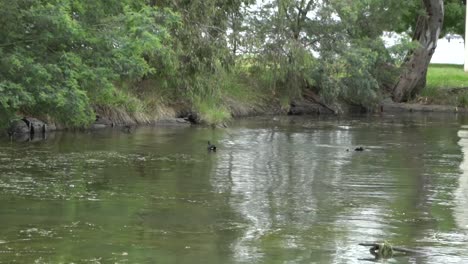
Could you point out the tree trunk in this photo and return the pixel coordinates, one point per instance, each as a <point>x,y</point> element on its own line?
<point>428,27</point>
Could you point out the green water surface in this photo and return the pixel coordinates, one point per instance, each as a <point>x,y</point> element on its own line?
<point>278,190</point>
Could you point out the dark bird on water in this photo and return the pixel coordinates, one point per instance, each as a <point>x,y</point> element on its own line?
<point>359,149</point>
<point>211,147</point>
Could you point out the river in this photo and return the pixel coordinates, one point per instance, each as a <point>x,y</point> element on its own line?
<point>278,190</point>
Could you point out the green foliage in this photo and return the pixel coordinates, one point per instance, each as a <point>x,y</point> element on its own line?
<point>364,18</point>
<point>454,19</point>
<point>399,51</point>
<point>332,47</point>
<point>279,38</point>
<point>349,77</point>
<point>209,92</point>
<point>408,12</point>
<point>62,57</point>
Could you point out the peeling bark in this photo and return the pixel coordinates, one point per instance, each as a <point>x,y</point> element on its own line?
<point>413,78</point>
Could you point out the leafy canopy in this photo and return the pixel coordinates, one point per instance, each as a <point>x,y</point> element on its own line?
<point>60,57</point>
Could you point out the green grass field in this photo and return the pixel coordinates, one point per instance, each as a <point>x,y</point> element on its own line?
<point>444,85</point>
<point>446,76</point>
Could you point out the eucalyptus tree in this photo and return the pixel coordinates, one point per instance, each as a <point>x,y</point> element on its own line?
<point>429,25</point>
<point>346,38</point>
<point>365,23</point>
<point>333,48</point>
<point>426,21</point>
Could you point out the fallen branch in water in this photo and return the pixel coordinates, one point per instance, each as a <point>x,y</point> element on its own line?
<point>386,250</point>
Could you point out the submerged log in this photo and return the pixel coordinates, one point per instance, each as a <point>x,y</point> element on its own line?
<point>381,250</point>
<point>386,250</point>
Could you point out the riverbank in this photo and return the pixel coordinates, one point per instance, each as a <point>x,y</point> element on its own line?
<point>175,115</point>
<point>114,117</point>
<point>389,106</point>
<point>447,84</point>
<point>446,92</point>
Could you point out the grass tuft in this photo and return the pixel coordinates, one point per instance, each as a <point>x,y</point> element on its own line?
<point>211,111</point>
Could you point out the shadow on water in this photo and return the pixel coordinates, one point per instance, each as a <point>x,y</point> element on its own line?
<point>461,194</point>
<point>26,137</point>
<point>278,190</point>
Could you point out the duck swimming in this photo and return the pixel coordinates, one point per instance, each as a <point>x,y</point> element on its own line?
<point>211,147</point>
<point>359,149</point>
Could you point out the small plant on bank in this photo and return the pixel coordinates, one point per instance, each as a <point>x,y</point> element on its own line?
<point>463,100</point>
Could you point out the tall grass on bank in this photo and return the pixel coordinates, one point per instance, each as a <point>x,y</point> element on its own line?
<point>236,92</point>
<point>211,111</point>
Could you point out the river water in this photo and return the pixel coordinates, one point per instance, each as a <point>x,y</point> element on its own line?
<point>278,190</point>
